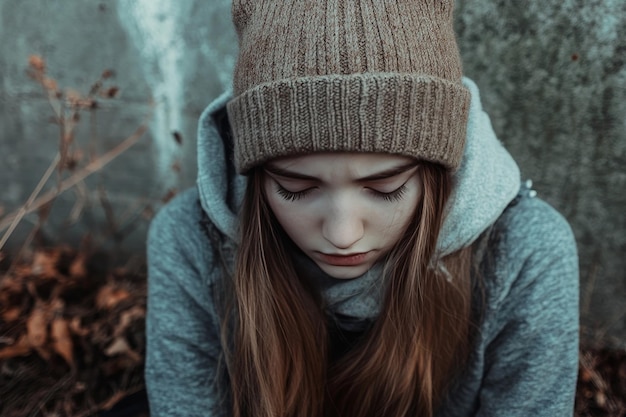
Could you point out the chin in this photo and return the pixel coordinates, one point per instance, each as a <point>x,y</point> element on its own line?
<point>345,272</point>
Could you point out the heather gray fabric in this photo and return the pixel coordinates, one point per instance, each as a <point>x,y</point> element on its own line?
<point>525,349</point>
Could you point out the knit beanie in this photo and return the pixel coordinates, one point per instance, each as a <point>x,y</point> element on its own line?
<point>347,75</point>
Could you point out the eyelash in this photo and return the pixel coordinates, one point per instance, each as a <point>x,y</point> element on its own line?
<point>289,195</point>
<point>394,196</point>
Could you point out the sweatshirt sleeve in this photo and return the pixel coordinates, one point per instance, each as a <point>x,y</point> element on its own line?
<point>531,360</point>
<point>182,337</point>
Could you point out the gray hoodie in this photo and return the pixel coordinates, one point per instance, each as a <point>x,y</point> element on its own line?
<point>524,351</point>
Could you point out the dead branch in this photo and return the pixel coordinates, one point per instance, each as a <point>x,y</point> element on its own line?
<point>64,185</point>
<point>22,211</point>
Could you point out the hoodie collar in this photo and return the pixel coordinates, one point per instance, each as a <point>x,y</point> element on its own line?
<point>485,183</point>
<point>220,188</point>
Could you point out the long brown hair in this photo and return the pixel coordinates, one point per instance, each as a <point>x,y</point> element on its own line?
<point>275,334</point>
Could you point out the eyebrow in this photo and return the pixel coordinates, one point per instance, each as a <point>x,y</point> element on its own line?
<point>387,173</point>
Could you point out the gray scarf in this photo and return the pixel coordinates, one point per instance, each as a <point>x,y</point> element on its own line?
<point>353,303</point>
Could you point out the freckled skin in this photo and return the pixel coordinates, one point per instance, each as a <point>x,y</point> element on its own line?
<point>335,212</point>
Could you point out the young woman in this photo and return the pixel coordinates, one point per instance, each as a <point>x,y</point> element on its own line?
<point>358,243</point>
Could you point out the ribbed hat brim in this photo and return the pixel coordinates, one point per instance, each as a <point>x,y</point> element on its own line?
<point>414,115</point>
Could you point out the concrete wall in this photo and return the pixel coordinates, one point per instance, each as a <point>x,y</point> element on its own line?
<point>169,57</point>
<point>552,77</point>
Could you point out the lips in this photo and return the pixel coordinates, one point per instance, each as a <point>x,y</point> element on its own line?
<point>344,260</point>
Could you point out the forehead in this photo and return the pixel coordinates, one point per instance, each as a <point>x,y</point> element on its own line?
<point>343,164</point>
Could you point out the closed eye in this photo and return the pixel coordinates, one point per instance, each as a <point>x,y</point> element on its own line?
<point>291,195</point>
<point>393,196</point>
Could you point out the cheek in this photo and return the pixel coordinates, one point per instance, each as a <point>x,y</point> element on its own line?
<point>295,226</point>
<point>394,224</point>
<point>288,219</point>
<point>287,215</point>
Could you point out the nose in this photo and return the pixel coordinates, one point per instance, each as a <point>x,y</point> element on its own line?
<point>343,226</point>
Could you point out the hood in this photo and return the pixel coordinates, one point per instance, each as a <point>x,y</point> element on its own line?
<point>487,180</point>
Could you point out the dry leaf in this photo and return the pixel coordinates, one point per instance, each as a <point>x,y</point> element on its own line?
<point>77,328</point>
<point>110,92</point>
<point>109,296</point>
<point>78,268</point>
<point>36,326</point>
<point>21,348</point>
<point>50,84</point>
<point>108,73</point>
<point>62,340</point>
<point>127,317</point>
<point>44,262</point>
<point>11,314</point>
<point>37,63</point>
<point>11,297</point>
<point>118,347</point>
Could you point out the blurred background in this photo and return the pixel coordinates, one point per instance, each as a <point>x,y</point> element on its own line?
<point>121,83</point>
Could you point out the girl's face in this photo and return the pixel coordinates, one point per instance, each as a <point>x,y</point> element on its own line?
<point>344,210</point>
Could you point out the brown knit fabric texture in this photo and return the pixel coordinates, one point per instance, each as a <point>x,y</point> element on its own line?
<point>347,75</point>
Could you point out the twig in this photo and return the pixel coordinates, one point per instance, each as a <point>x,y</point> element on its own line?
<point>129,226</point>
<point>602,330</point>
<point>54,103</point>
<point>75,178</point>
<point>60,385</point>
<point>22,211</point>
<point>17,259</point>
<point>81,198</point>
<point>587,294</point>
<point>93,137</point>
<point>596,378</point>
<point>108,212</point>
<point>110,402</point>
